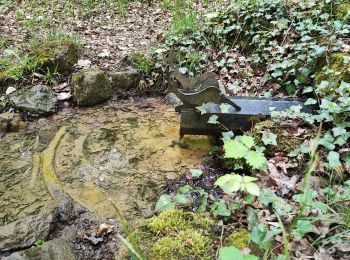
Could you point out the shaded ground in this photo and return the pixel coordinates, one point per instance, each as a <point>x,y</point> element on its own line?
<point>107,35</point>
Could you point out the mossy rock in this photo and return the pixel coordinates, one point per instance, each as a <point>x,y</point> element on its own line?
<point>285,142</point>
<point>90,87</point>
<point>56,56</point>
<point>342,12</point>
<point>187,244</point>
<point>334,73</point>
<point>60,55</point>
<point>125,80</point>
<point>239,239</point>
<point>37,101</point>
<point>175,235</point>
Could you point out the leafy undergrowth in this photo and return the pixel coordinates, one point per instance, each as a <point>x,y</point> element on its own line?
<point>286,180</point>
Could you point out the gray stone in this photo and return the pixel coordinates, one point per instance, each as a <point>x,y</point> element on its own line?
<point>24,232</point>
<point>172,100</point>
<point>56,249</point>
<point>90,87</point>
<point>39,100</point>
<point>11,122</point>
<point>125,80</point>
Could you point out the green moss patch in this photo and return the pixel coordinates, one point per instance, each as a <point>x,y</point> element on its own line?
<point>334,73</point>
<point>175,235</point>
<point>342,12</point>
<point>239,239</point>
<point>56,56</point>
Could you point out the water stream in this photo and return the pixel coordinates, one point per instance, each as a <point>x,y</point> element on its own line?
<point>115,154</point>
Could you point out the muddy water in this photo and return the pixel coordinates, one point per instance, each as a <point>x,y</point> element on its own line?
<point>115,156</point>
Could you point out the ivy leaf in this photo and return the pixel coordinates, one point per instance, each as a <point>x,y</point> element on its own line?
<point>247,141</point>
<point>164,203</point>
<point>333,160</point>
<point>308,90</point>
<point>226,136</point>
<point>203,108</point>
<point>256,160</point>
<point>252,188</point>
<point>269,138</point>
<point>183,200</point>
<point>196,173</point>
<point>338,131</point>
<point>303,227</point>
<point>219,208</point>
<point>310,101</point>
<point>235,149</point>
<point>231,252</point>
<point>224,108</point>
<point>327,141</point>
<point>213,119</point>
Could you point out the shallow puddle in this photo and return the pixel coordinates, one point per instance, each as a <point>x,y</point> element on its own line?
<point>116,155</point>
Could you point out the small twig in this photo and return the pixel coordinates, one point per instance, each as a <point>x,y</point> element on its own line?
<point>338,201</point>
<point>221,238</point>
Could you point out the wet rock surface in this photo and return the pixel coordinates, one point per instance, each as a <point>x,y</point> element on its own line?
<point>11,122</point>
<point>125,80</point>
<point>23,233</point>
<point>90,87</point>
<point>56,249</point>
<point>39,100</point>
<point>105,161</point>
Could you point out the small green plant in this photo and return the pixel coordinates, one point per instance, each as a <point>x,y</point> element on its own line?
<point>51,77</point>
<point>39,243</point>
<point>142,62</point>
<point>231,183</point>
<point>241,147</point>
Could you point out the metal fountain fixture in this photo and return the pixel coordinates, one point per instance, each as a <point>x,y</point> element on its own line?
<point>240,112</point>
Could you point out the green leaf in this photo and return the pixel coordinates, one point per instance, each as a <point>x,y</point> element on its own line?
<point>338,131</point>
<point>295,152</point>
<point>303,227</point>
<point>310,101</point>
<point>269,138</point>
<point>234,149</point>
<point>321,206</point>
<point>258,235</point>
<point>229,183</point>
<point>213,119</point>
<point>252,188</point>
<point>196,173</point>
<point>256,160</point>
<point>226,136</point>
<point>164,203</point>
<point>230,253</point>
<point>183,200</point>
<point>233,253</point>
<point>247,140</point>
<point>225,108</point>
<point>252,218</point>
<point>308,90</point>
<point>219,208</point>
<point>247,179</point>
<point>333,160</point>
<point>184,189</point>
<point>279,204</point>
<point>203,108</point>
